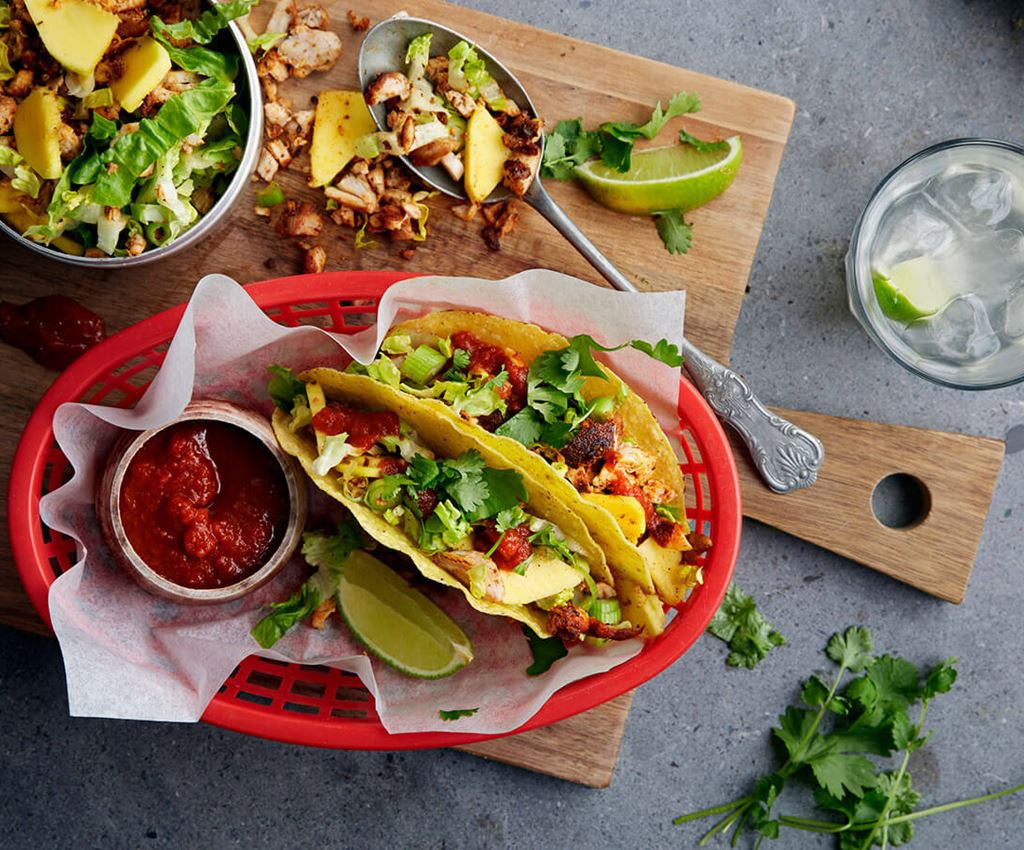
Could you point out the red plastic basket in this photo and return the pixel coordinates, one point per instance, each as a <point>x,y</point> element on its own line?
<point>322,706</point>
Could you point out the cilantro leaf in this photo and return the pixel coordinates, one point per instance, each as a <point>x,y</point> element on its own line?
<point>619,136</point>
<point>749,635</point>
<point>283,387</point>
<point>702,146</point>
<point>460,358</point>
<point>840,773</point>
<point>674,231</point>
<point>505,491</point>
<point>510,518</point>
<point>567,146</point>
<point>525,427</point>
<point>852,649</point>
<point>284,615</point>
<point>546,651</point>
<point>456,713</point>
<point>662,350</point>
<point>940,678</point>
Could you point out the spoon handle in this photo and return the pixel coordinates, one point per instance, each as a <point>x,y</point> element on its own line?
<point>538,198</point>
<point>787,457</point>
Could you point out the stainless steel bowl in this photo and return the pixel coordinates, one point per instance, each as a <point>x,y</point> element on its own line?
<point>206,224</point>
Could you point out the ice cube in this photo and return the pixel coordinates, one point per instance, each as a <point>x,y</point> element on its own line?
<point>989,264</point>
<point>912,227</point>
<point>1013,318</point>
<point>976,196</point>
<point>960,333</point>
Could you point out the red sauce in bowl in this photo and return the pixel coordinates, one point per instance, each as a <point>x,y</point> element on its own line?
<point>204,504</point>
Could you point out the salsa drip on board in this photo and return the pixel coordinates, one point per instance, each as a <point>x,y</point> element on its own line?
<point>53,330</point>
<point>203,504</point>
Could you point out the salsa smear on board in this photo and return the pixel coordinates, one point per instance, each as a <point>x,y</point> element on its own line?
<point>53,330</point>
<point>204,503</point>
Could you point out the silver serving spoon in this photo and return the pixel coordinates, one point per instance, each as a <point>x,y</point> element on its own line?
<point>787,457</point>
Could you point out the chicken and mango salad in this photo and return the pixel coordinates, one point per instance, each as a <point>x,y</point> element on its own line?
<point>120,121</point>
<point>448,110</point>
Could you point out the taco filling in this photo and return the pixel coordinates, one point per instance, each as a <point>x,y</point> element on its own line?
<point>542,405</point>
<point>472,521</point>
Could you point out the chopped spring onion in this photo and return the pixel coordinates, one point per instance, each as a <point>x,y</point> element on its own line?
<point>606,611</point>
<point>602,407</point>
<point>271,196</point>
<point>423,364</point>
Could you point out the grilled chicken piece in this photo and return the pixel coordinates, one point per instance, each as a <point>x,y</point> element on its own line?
<point>283,16</point>
<point>118,6</point>
<point>571,623</point>
<point>8,106</point>
<point>272,66</point>
<point>301,220</point>
<point>523,138</point>
<point>358,24</point>
<point>504,224</point>
<point>314,17</point>
<point>590,443</point>
<point>267,166</point>
<point>387,86</point>
<point>21,84</point>
<point>460,562</point>
<point>322,612</point>
<point>70,143</point>
<point>307,50</point>
<point>355,191</point>
<point>466,212</point>
<point>433,152</point>
<point>437,72</point>
<point>315,260</point>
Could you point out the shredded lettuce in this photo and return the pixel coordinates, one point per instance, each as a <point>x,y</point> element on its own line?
<point>6,71</point>
<point>201,30</point>
<point>336,449</point>
<point>383,369</point>
<point>417,54</point>
<point>199,60</point>
<point>133,153</point>
<point>23,178</point>
<point>361,241</point>
<point>98,98</point>
<point>5,15</point>
<point>61,204</point>
<point>264,42</point>
<point>367,146</point>
<point>468,73</point>
<point>397,344</point>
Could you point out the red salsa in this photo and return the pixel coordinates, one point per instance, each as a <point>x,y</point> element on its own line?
<point>52,330</point>
<point>204,504</point>
<point>487,359</point>
<point>514,546</point>
<point>363,428</point>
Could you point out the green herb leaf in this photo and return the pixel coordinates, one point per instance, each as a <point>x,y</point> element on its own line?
<point>283,387</point>
<point>749,635</point>
<point>202,29</point>
<point>456,713</point>
<point>525,427</point>
<point>701,146</point>
<point>852,649</point>
<point>546,651</point>
<point>674,231</point>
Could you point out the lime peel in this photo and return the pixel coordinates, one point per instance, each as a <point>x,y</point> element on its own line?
<point>398,624</point>
<point>664,178</point>
<point>914,289</point>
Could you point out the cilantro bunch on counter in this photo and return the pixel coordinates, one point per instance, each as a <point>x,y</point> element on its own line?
<point>749,635</point>
<point>827,741</point>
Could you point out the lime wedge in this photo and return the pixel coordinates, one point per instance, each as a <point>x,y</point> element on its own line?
<point>397,623</point>
<point>677,177</point>
<point>914,289</point>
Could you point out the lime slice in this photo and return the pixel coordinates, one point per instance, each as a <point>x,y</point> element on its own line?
<point>914,289</point>
<point>677,177</point>
<point>397,623</point>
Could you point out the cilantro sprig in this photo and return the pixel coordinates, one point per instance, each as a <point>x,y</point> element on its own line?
<point>569,145</point>
<point>327,552</point>
<point>749,635</point>
<point>555,407</point>
<point>828,741</point>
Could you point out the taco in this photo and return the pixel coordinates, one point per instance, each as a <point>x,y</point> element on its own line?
<point>417,485</point>
<point>569,423</point>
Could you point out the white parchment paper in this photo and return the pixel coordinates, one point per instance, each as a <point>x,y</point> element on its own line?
<point>131,655</point>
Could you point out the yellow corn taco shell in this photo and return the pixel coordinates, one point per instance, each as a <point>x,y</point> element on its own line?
<point>650,567</point>
<point>545,577</point>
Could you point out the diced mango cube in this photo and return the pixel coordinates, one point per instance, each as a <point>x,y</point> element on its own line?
<point>628,513</point>
<point>485,155</point>
<point>145,65</point>
<point>75,32</point>
<point>341,118</point>
<point>37,131</point>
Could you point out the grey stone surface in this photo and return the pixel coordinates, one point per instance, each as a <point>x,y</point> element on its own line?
<point>873,82</point>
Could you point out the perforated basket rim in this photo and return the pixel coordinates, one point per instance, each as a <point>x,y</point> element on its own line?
<point>367,733</point>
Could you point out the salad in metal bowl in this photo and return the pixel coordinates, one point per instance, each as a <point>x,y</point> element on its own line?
<point>120,123</point>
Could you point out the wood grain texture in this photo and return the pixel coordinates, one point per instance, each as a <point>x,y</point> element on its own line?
<point>936,553</point>
<point>567,78</point>
<point>582,749</point>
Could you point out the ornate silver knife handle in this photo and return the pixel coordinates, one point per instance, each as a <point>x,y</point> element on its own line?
<point>787,457</point>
